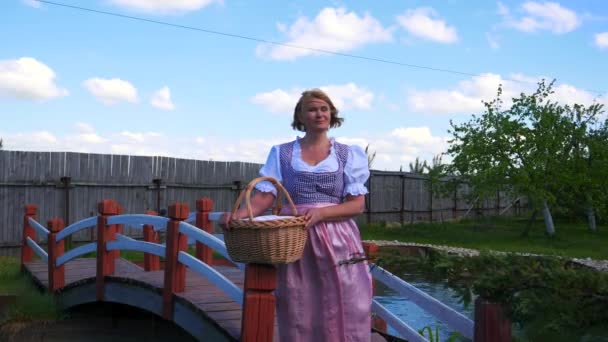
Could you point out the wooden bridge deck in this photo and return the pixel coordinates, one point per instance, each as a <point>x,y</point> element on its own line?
<point>200,294</point>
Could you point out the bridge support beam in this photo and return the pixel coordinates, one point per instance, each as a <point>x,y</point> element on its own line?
<point>175,272</point>
<point>203,207</point>
<point>371,249</point>
<point>55,250</point>
<point>491,324</point>
<point>105,233</point>
<point>27,253</point>
<point>258,303</point>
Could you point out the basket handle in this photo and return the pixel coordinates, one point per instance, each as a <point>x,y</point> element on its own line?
<point>247,194</point>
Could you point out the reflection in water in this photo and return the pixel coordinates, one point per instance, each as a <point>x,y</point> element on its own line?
<point>413,315</point>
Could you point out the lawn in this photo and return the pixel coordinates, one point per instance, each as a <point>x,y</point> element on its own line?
<point>30,304</point>
<point>572,239</point>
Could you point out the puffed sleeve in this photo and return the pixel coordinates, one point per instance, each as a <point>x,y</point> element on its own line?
<point>272,168</point>
<point>356,172</point>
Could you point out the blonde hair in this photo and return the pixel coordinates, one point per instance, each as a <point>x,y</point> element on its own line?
<point>319,94</point>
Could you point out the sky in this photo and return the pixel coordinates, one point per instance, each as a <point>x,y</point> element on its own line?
<point>221,80</point>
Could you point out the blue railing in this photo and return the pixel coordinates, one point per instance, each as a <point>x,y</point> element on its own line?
<point>42,232</point>
<point>452,318</point>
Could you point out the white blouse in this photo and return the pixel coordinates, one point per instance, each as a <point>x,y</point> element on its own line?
<point>356,171</point>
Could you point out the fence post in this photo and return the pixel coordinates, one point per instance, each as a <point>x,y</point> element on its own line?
<point>55,250</point>
<point>27,254</point>
<point>455,208</point>
<point>105,258</point>
<point>491,324</point>
<point>151,261</point>
<point>369,197</point>
<point>203,207</point>
<point>258,303</point>
<point>402,207</point>
<point>66,182</point>
<point>371,249</point>
<point>175,272</point>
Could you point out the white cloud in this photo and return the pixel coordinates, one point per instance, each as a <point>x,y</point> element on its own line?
<point>467,96</point>
<point>503,10</point>
<point>27,78</point>
<point>86,134</point>
<point>164,6</point>
<point>601,40</point>
<point>137,137</point>
<point>345,96</point>
<point>334,29</point>
<point>401,146</point>
<point>549,16</point>
<point>111,91</point>
<point>394,148</point>
<point>492,40</point>
<point>349,96</point>
<point>278,100</point>
<point>162,99</point>
<point>424,23</point>
<point>32,3</point>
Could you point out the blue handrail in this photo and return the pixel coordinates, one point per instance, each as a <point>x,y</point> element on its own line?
<point>138,220</point>
<point>76,227</point>
<point>444,313</point>
<point>396,323</point>
<point>212,275</point>
<point>40,229</point>
<point>76,252</point>
<point>37,249</point>
<point>208,239</point>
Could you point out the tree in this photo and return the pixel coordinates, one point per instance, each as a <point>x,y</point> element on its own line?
<point>436,171</point>
<point>521,149</point>
<point>417,167</point>
<point>1,142</point>
<point>370,156</point>
<point>586,187</point>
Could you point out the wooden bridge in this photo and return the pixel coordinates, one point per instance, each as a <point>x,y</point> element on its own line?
<point>209,301</point>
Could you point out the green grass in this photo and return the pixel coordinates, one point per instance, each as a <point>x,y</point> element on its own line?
<point>572,239</point>
<point>30,304</point>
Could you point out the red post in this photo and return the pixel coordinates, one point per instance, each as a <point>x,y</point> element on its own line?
<point>491,324</point>
<point>203,207</point>
<point>258,303</point>
<point>175,273</point>
<point>55,250</point>
<point>117,229</point>
<point>151,261</point>
<point>371,249</point>
<point>105,233</point>
<point>27,254</point>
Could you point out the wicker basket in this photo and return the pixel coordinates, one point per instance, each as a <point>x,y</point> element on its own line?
<point>278,241</point>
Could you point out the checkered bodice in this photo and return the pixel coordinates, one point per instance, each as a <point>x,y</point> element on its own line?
<point>312,187</point>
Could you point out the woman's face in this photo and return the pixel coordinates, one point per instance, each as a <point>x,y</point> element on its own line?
<point>315,115</point>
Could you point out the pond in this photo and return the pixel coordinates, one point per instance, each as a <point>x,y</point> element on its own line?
<point>413,315</point>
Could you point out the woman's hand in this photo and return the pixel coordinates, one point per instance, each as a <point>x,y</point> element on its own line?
<point>313,216</point>
<point>224,220</point>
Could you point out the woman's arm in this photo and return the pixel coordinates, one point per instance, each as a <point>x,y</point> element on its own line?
<point>260,202</point>
<point>351,207</point>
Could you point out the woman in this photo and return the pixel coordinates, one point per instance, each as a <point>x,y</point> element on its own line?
<point>327,294</point>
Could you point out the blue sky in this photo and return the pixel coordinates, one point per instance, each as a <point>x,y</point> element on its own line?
<point>73,80</point>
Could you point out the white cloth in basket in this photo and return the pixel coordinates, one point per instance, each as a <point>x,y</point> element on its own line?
<point>268,218</point>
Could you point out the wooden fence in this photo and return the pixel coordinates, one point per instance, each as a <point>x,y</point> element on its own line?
<point>69,185</point>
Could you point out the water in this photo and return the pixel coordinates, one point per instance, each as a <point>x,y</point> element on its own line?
<point>413,315</point>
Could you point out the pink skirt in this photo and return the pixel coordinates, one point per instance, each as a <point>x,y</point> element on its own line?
<point>326,295</point>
